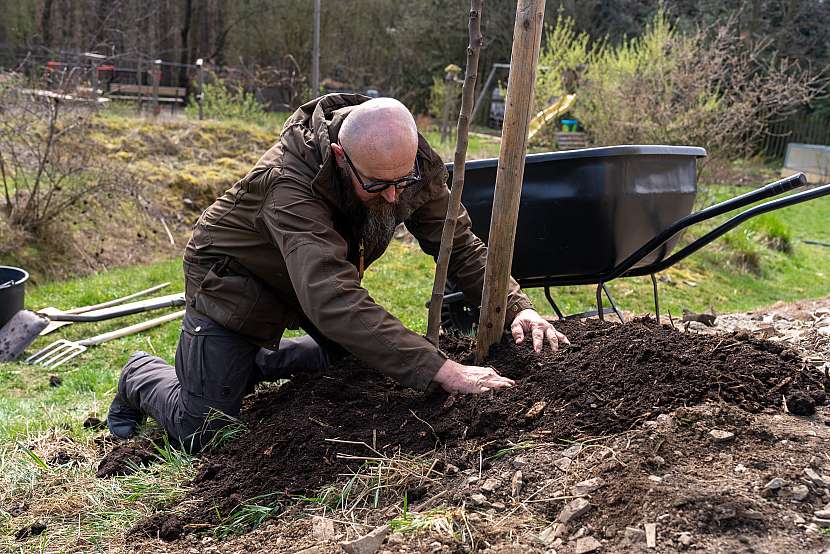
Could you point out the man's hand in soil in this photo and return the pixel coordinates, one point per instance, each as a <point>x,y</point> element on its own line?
<point>528,321</point>
<point>469,379</point>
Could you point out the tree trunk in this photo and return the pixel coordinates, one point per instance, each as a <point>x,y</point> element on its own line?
<point>46,23</point>
<point>527,35</point>
<point>184,56</point>
<point>467,100</point>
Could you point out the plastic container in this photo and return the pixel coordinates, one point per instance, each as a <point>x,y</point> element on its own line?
<point>12,291</point>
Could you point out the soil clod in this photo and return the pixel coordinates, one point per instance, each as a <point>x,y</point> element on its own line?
<point>801,404</point>
<point>126,458</point>
<point>94,423</point>
<point>32,530</point>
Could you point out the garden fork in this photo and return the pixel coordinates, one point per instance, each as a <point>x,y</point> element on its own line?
<point>60,352</point>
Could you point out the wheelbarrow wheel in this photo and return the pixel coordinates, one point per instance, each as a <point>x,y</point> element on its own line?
<point>458,316</point>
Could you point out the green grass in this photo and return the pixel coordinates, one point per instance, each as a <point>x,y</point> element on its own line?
<point>36,419</point>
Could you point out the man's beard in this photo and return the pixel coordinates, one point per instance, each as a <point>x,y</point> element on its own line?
<point>375,221</point>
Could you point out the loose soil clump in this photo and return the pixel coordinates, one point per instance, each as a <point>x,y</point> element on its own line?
<point>612,378</point>
<point>125,458</point>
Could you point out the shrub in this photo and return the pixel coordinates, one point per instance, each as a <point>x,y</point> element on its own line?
<point>705,88</point>
<point>744,252</point>
<point>47,161</point>
<point>773,232</point>
<point>437,93</point>
<point>221,101</point>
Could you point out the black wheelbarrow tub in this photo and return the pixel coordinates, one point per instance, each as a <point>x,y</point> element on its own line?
<point>582,212</point>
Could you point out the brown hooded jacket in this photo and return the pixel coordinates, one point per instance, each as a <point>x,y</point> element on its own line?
<point>279,246</point>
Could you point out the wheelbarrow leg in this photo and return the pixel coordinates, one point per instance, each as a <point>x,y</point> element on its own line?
<point>656,298</point>
<point>553,304</point>
<point>600,288</point>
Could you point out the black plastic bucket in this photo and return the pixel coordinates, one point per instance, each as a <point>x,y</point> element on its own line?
<point>12,291</point>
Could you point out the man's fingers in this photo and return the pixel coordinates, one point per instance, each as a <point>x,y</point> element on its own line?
<point>562,338</point>
<point>538,338</point>
<point>499,383</point>
<point>518,333</point>
<point>553,338</point>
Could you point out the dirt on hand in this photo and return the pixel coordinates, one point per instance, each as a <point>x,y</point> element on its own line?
<point>612,378</point>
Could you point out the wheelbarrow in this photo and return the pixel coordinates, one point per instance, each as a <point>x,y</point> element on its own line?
<point>589,216</point>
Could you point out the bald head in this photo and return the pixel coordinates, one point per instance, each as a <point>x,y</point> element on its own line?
<point>380,138</point>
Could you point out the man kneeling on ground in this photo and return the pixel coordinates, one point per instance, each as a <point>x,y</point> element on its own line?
<point>286,248</point>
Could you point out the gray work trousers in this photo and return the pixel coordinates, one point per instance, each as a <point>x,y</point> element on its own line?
<point>214,369</point>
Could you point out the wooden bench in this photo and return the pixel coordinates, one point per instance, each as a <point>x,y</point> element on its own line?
<point>166,94</point>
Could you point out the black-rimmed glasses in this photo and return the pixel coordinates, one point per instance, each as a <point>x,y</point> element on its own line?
<point>375,185</point>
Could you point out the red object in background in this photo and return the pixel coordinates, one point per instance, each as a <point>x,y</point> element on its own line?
<point>53,65</point>
<point>105,68</point>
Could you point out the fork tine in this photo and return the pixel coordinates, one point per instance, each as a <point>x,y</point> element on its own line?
<point>68,354</point>
<point>45,351</point>
<point>57,354</point>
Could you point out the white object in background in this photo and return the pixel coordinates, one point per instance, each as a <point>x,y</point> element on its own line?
<point>812,159</point>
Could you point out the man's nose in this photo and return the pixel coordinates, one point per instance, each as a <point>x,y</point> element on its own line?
<point>389,194</point>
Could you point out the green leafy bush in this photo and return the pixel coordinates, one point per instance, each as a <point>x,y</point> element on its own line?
<point>707,88</point>
<point>773,232</point>
<point>224,102</point>
<point>743,251</point>
<point>564,57</point>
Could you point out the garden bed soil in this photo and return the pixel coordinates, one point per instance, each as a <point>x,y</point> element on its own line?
<point>612,379</point>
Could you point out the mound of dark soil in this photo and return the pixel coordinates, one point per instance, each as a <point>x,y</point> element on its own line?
<point>610,379</point>
<point>125,458</point>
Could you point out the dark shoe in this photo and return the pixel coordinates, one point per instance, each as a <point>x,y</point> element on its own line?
<point>123,418</point>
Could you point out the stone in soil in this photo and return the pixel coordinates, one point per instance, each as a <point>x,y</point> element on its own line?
<point>815,478</point>
<point>609,380</point>
<point>574,510</point>
<point>719,435</point>
<point>367,544</point>
<point>587,544</point>
<point>587,487</point>
<point>516,484</point>
<point>799,492</point>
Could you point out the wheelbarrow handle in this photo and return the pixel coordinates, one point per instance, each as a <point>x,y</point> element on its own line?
<point>730,224</point>
<point>767,191</point>
<point>773,189</point>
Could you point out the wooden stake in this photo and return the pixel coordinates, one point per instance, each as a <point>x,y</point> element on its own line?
<point>527,36</point>
<point>315,53</point>
<point>467,99</point>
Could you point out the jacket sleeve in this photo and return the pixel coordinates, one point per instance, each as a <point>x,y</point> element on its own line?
<point>469,255</point>
<point>329,292</point>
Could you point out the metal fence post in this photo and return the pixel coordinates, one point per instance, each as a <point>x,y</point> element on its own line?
<point>156,82</point>
<point>200,98</point>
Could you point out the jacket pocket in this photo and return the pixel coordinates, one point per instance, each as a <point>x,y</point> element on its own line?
<point>237,300</point>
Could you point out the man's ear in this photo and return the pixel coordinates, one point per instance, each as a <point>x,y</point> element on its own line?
<point>339,157</point>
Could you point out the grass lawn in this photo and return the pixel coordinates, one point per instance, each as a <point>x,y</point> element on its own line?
<point>83,513</point>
